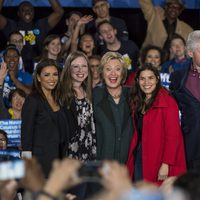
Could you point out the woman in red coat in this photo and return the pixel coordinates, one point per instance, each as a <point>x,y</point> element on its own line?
<point>157,149</point>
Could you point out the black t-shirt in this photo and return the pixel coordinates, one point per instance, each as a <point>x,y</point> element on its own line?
<point>129,48</point>
<point>117,23</point>
<point>34,33</point>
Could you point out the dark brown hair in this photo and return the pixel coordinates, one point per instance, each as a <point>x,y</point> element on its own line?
<point>46,42</point>
<point>16,91</point>
<point>36,88</point>
<point>137,97</point>
<point>146,49</point>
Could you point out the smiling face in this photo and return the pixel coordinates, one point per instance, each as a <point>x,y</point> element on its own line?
<point>26,12</point>
<point>87,44</point>
<point>153,56</point>
<point>172,11</point>
<point>177,48</point>
<point>195,55</point>
<point>54,48</point>
<point>147,82</point>
<point>48,78</point>
<point>17,40</point>
<point>107,33</point>
<point>101,9</point>
<point>3,143</point>
<point>17,102</point>
<point>79,70</point>
<point>113,74</point>
<point>12,59</point>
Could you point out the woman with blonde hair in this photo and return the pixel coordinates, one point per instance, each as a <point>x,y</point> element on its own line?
<point>114,126</point>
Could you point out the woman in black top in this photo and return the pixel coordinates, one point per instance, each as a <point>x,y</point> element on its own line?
<point>44,128</point>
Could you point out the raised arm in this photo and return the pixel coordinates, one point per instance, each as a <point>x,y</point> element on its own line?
<point>81,22</point>
<point>3,111</point>
<point>25,87</point>
<point>149,10</point>
<point>57,13</point>
<point>3,20</point>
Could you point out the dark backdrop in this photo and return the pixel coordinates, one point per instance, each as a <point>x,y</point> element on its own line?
<point>133,17</point>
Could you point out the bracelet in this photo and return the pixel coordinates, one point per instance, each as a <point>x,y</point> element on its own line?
<point>50,196</point>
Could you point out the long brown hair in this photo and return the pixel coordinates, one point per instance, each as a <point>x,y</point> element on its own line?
<point>66,91</point>
<point>46,42</point>
<point>137,97</point>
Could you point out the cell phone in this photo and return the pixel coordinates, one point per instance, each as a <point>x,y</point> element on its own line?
<point>89,171</point>
<point>13,169</point>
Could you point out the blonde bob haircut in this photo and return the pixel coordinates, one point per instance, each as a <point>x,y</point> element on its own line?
<point>113,56</point>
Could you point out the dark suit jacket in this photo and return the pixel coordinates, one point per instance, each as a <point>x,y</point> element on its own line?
<point>107,142</point>
<point>39,132</point>
<point>3,111</point>
<point>190,119</point>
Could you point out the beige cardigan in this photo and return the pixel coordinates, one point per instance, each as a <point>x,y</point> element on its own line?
<point>156,33</point>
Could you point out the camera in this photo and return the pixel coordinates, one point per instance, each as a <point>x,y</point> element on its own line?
<point>12,169</point>
<point>89,171</point>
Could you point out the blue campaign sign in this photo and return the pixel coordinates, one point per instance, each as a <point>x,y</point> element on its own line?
<point>191,4</point>
<point>13,130</point>
<point>12,153</point>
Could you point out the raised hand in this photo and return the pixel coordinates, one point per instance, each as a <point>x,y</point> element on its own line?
<point>3,72</point>
<point>84,20</point>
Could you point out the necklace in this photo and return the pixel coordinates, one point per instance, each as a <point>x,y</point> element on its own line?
<point>116,95</point>
<point>195,72</point>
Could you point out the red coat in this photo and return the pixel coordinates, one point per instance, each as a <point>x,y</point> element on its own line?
<point>162,140</point>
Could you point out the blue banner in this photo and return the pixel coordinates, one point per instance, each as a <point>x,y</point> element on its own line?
<point>13,130</point>
<point>13,153</point>
<point>191,4</point>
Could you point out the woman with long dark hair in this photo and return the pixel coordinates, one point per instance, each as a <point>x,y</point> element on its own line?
<point>51,49</point>
<point>157,149</point>
<point>44,125</point>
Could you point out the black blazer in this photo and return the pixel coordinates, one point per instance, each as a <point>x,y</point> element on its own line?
<point>190,119</point>
<point>107,142</point>
<point>39,132</point>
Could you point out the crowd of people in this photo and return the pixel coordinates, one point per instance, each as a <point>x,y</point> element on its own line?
<point>90,101</point>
